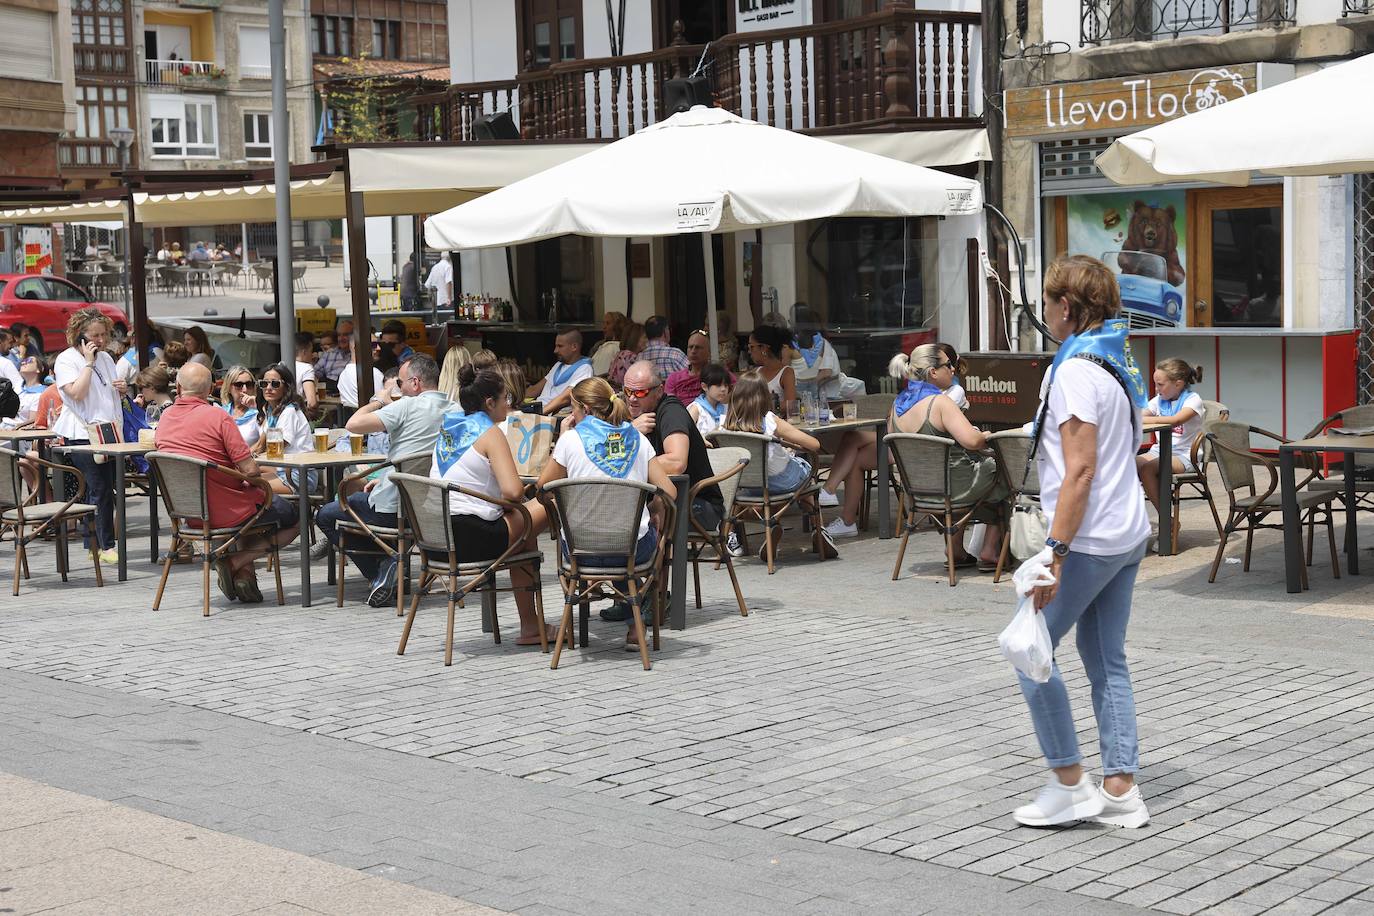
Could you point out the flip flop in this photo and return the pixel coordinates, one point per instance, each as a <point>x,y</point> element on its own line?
<point>985,566</point>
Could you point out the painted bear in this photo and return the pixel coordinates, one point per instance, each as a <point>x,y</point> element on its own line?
<point>1151,231</point>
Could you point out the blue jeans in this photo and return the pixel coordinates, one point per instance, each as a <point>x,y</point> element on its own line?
<point>644,552</point>
<point>1095,594</point>
<point>100,486</point>
<point>368,559</point>
<point>785,481</point>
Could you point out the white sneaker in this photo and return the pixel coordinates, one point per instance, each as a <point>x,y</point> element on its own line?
<point>1125,811</point>
<point>1058,804</point>
<point>838,529</point>
<point>827,499</point>
<point>732,545</point>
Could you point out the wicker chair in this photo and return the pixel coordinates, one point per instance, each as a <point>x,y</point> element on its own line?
<point>1352,417</point>
<point>727,464</point>
<point>1200,455</point>
<point>19,511</point>
<point>600,518</point>
<point>1249,506</point>
<point>425,504</point>
<point>1022,478</point>
<point>357,536</point>
<point>183,483</point>
<point>768,507</point>
<point>923,468</point>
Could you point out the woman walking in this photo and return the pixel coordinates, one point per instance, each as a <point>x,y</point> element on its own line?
<point>1088,430</point>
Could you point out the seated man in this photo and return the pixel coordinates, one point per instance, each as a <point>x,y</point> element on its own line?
<point>555,389</point>
<point>411,421</point>
<point>194,427</point>
<point>685,384</point>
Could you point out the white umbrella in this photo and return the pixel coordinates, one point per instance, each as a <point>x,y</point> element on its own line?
<point>1308,126</point>
<point>704,170</point>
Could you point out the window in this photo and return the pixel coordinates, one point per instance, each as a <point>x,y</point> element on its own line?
<point>257,135</point>
<point>31,288</point>
<point>332,36</point>
<point>550,30</point>
<point>255,52</point>
<point>62,291</point>
<point>99,108</point>
<point>98,22</point>
<point>183,126</point>
<point>26,45</point>
<point>386,39</point>
<point>567,38</point>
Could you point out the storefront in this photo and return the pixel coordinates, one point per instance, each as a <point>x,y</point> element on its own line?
<point>1238,280</point>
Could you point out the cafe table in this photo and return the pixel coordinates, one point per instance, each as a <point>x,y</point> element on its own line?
<point>118,451</point>
<point>1349,446</point>
<point>884,462</point>
<point>331,463</point>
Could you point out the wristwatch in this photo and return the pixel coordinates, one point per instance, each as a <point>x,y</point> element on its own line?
<point>1060,548</point>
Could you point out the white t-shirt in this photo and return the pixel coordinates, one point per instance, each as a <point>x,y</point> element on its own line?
<point>778,455</point>
<point>1115,521</point>
<point>705,420</point>
<point>826,359</point>
<point>569,452</point>
<point>101,402</point>
<point>348,384</point>
<point>440,276</point>
<point>1185,433</point>
<point>297,435</point>
<point>956,394</point>
<point>8,370</point>
<point>552,390</point>
<point>304,373</point>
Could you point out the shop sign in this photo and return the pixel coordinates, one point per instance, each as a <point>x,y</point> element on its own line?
<point>316,321</point>
<point>696,216</point>
<point>753,15</point>
<point>1003,389</point>
<point>1116,106</point>
<point>37,250</point>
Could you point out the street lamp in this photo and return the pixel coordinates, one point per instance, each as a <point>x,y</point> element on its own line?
<point>123,138</point>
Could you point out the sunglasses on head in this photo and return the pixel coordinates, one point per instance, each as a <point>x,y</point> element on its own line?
<point>271,383</point>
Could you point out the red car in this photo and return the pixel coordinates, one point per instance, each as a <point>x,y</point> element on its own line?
<point>45,303</point>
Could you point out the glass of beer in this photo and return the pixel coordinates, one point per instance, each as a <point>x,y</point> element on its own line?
<point>355,443</point>
<point>322,440</point>
<point>276,443</point>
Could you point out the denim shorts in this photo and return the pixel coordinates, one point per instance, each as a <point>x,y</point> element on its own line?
<point>289,477</point>
<point>644,552</point>
<point>785,481</point>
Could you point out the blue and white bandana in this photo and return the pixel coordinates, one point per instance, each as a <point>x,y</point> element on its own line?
<point>718,413</point>
<point>613,449</point>
<point>914,393</point>
<point>457,434</point>
<point>812,353</point>
<point>564,371</point>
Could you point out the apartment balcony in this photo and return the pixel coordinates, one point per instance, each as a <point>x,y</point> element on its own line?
<point>97,154</point>
<point>899,69</point>
<point>1357,7</point>
<point>184,74</point>
<point>1108,21</point>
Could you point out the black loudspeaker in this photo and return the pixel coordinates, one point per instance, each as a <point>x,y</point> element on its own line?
<point>497,126</point>
<point>682,94</point>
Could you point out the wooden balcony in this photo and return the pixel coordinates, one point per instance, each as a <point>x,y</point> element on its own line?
<point>898,69</point>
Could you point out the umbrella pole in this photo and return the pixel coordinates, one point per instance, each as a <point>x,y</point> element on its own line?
<point>708,261</point>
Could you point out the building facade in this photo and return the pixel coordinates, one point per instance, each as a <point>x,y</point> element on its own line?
<point>1261,286</point>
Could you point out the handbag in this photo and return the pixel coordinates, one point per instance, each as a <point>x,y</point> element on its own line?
<point>104,433</point>
<point>1027,529</point>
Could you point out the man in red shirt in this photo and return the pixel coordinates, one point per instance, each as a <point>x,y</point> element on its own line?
<point>194,427</point>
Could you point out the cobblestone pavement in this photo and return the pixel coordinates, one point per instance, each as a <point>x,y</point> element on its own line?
<point>846,709</point>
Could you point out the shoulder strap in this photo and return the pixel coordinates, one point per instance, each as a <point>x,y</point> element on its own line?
<point>1045,406</point>
<point>930,406</point>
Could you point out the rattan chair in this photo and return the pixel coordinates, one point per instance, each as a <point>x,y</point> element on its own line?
<point>768,507</point>
<point>922,464</point>
<point>1355,418</point>
<point>1022,478</point>
<point>600,518</point>
<point>727,464</point>
<point>19,511</point>
<point>1200,454</point>
<point>1249,506</point>
<point>425,504</point>
<point>357,536</point>
<point>183,484</point>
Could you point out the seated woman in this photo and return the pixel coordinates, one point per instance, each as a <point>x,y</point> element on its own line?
<point>632,343</point>
<point>600,420</point>
<point>154,386</point>
<point>1178,409</point>
<point>708,410</point>
<point>32,371</point>
<point>770,349</point>
<point>923,408</point>
<point>472,452</point>
<point>279,407</point>
<point>198,347</point>
<point>751,412</point>
<point>238,396</point>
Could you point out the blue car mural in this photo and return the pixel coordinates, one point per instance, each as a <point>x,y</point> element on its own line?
<point>1147,297</point>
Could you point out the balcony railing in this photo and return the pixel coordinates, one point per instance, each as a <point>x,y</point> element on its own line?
<point>182,72</point>
<point>1104,21</point>
<point>87,154</point>
<point>899,67</point>
<point>1357,7</point>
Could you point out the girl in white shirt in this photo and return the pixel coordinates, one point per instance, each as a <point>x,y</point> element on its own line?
<point>473,453</point>
<point>708,410</point>
<point>279,407</point>
<point>1175,410</point>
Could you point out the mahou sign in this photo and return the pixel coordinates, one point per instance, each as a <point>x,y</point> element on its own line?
<point>1116,106</point>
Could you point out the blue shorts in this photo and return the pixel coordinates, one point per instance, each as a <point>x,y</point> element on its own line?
<point>644,552</point>
<point>785,481</point>
<point>282,513</point>
<point>290,476</point>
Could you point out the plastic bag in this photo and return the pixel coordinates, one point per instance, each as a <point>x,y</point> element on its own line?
<point>974,542</point>
<point>1026,640</point>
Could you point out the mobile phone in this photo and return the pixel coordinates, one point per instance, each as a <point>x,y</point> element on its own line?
<point>81,340</point>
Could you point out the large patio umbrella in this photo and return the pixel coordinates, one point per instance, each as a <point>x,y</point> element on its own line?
<point>701,171</point>
<point>1308,126</point>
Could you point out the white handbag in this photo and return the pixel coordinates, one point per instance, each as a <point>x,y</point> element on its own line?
<point>1028,529</point>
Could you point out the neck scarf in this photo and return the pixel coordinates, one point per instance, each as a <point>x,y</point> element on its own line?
<point>1110,346</point>
<point>1169,408</point>
<point>564,371</point>
<point>457,434</point>
<point>913,394</point>
<point>274,416</point>
<point>249,416</point>
<point>717,412</point>
<point>812,353</point>
<point>33,389</point>
<point>611,448</point>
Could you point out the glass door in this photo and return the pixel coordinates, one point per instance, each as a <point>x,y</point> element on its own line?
<point>1237,257</point>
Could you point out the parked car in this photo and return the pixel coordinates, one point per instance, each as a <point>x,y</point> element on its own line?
<point>1147,297</point>
<point>46,303</point>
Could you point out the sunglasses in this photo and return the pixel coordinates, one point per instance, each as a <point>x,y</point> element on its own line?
<point>241,386</point>
<point>639,392</point>
<point>271,383</point>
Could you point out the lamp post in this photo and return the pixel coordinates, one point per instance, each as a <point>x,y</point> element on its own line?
<point>123,138</point>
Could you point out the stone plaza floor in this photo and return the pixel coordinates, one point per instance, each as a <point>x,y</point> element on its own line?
<point>855,745</point>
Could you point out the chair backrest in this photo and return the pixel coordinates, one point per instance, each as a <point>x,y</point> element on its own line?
<point>1359,416</point>
<point>599,517</point>
<point>425,501</point>
<point>182,483</point>
<point>1237,470</point>
<point>11,481</point>
<point>604,355</point>
<point>874,406</point>
<point>1012,447</point>
<point>417,463</point>
<point>755,445</point>
<point>723,458</point>
<point>922,464</point>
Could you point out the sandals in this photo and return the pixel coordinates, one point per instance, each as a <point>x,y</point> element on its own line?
<point>224,577</point>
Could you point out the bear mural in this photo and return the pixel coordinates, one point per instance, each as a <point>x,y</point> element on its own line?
<point>1151,231</point>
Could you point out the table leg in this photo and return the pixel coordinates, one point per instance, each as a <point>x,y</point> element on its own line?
<point>1166,491</point>
<point>121,518</point>
<point>332,486</point>
<point>1352,546</point>
<point>677,607</point>
<point>1292,523</point>
<point>884,485</point>
<point>303,498</point>
<point>152,513</point>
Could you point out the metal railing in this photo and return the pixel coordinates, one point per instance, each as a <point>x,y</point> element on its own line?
<point>1104,21</point>
<point>1357,7</point>
<point>177,72</point>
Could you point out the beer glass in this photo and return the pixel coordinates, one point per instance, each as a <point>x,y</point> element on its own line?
<point>276,443</point>
<point>322,440</point>
<point>355,443</point>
